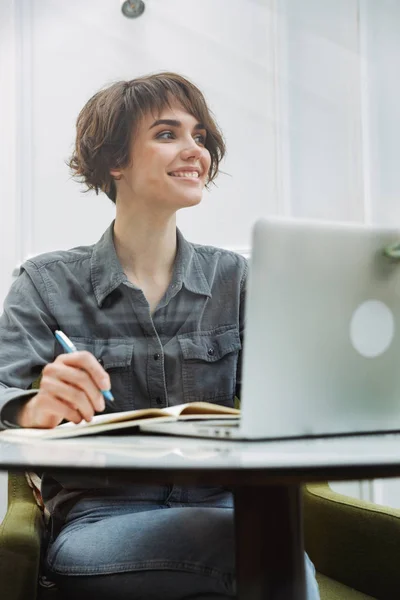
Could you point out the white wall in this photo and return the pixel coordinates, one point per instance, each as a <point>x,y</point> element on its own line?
<point>77,47</point>
<point>321,77</point>
<point>8,142</point>
<point>8,197</point>
<point>382,57</point>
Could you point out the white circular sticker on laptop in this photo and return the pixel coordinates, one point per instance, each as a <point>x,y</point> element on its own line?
<point>372,328</point>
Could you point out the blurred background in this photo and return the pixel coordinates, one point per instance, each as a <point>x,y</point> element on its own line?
<point>305,91</point>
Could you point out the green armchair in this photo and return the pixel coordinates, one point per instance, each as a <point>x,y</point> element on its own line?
<point>354,545</point>
<point>20,542</point>
<point>353,542</point>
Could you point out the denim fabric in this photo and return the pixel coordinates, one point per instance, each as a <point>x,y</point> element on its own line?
<point>162,542</point>
<point>188,350</point>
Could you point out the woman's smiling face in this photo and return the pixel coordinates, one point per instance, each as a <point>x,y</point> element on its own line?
<point>169,162</point>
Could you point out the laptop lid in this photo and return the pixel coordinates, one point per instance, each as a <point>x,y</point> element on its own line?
<point>322,342</point>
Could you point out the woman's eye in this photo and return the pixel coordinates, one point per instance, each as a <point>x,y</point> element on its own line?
<point>169,135</point>
<point>165,135</point>
<point>200,139</point>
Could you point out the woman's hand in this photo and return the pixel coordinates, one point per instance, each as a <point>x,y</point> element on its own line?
<point>69,389</point>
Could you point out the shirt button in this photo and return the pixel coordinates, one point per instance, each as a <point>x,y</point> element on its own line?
<point>210,351</point>
<point>158,400</point>
<point>156,356</point>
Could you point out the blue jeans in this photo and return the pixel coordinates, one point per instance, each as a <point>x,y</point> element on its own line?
<point>150,542</point>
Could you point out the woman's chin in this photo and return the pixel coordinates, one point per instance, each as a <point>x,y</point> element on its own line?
<point>189,200</point>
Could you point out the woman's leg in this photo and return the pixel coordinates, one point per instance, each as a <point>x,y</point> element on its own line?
<point>119,550</point>
<point>173,553</point>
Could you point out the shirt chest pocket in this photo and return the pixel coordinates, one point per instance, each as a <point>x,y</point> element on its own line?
<point>209,363</point>
<point>115,356</point>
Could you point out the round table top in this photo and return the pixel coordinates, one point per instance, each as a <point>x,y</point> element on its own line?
<point>172,458</point>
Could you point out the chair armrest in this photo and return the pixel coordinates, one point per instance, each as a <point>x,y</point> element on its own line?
<point>353,541</point>
<point>20,540</point>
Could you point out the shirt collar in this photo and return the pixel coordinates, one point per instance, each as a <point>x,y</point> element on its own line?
<point>107,274</point>
<point>188,268</point>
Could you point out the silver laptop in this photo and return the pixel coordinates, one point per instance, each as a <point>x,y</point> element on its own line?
<point>322,342</point>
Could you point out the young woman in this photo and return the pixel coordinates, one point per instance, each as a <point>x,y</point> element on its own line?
<point>154,316</point>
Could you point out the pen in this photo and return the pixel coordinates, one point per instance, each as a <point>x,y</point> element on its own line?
<point>69,347</point>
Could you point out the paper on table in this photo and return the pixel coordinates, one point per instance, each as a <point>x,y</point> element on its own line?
<point>124,420</point>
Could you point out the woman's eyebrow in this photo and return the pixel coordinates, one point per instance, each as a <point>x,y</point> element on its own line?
<point>174,123</point>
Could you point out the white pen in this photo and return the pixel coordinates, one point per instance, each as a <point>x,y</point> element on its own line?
<point>69,347</point>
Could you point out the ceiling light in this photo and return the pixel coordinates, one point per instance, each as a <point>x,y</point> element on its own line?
<point>132,8</point>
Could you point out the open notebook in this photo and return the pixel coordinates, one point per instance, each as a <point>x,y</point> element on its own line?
<point>102,424</point>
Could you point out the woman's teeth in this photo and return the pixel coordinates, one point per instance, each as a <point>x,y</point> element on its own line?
<point>193,174</point>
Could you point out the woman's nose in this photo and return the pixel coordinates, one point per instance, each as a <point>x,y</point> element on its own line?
<point>191,149</point>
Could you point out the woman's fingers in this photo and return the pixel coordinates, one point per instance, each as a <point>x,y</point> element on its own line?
<point>46,411</point>
<point>76,376</point>
<point>69,389</point>
<point>74,397</point>
<point>87,362</point>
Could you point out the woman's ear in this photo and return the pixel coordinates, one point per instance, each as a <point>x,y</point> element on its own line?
<point>116,173</point>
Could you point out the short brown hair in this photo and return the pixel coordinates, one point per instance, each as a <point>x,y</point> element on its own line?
<point>106,123</point>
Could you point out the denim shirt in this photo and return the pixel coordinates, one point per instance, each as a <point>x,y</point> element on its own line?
<point>188,350</point>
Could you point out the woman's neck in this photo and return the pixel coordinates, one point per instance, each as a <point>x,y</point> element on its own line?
<point>146,247</point>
